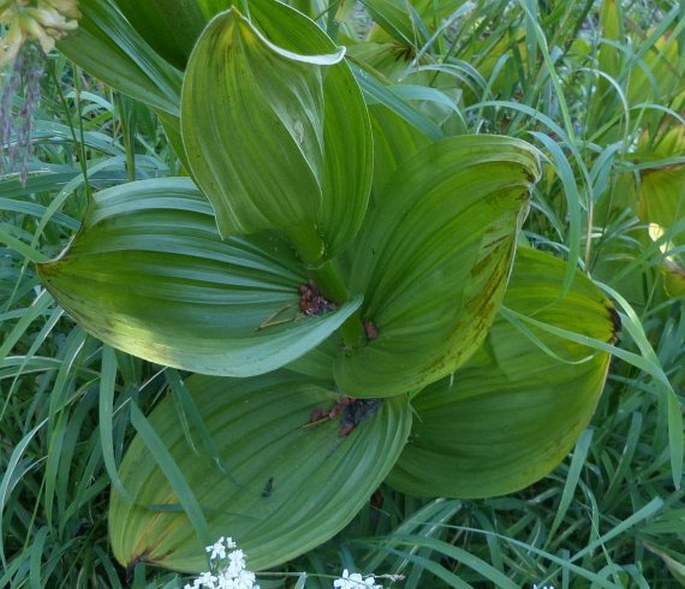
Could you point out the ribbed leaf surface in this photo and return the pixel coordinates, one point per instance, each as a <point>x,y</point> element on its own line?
<point>433,261</point>
<point>513,411</point>
<point>275,127</point>
<point>149,274</point>
<point>286,486</point>
<point>394,141</point>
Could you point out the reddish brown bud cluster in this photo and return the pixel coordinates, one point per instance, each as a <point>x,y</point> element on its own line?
<point>312,302</point>
<point>320,414</point>
<point>351,412</point>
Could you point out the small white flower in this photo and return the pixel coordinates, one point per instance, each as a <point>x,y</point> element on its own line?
<point>243,580</point>
<point>228,568</point>
<point>236,562</point>
<point>217,550</point>
<point>206,580</point>
<point>355,581</point>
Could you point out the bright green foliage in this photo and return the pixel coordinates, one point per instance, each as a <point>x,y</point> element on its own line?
<point>343,249</point>
<point>241,89</point>
<point>661,201</point>
<point>655,190</point>
<point>281,483</point>
<point>277,137</point>
<point>238,90</point>
<point>149,274</point>
<point>394,140</point>
<point>433,260</point>
<point>510,414</point>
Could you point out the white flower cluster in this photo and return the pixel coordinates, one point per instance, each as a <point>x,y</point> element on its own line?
<point>355,581</point>
<point>227,568</point>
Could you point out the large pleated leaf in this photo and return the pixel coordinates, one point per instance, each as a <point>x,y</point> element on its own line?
<point>433,260</point>
<point>513,411</point>
<point>278,484</point>
<point>108,47</point>
<point>149,274</point>
<point>275,129</point>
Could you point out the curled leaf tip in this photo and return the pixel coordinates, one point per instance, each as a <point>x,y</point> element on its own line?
<point>316,59</point>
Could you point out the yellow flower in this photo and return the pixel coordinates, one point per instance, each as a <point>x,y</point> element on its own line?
<point>44,21</point>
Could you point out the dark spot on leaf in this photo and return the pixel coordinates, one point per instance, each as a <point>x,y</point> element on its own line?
<point>371,330</point>
<point>530,177</point>
<point>268,487</point>
<point>355,412</point>
<point>351,411</point>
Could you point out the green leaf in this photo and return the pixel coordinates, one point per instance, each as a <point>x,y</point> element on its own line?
<point>377,92</point>
<point>604,101</point>
<point>169,26</point>
<point>433,260</point>
<point>108,47</point>
<point>661,202</point>
<point>394,141</point>
<point>149,274</point>
<point>288,484</point>
<point>272,123</point>
<point>661,196</point>
<point>511,413</point>
<point>399,20</point>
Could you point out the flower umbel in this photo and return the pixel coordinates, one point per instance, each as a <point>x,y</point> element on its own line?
<point>355,581</point>
<point>44,21</point>
<point>227,568</point>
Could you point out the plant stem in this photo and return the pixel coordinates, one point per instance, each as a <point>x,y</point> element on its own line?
<point>329,278</point>
<point>307,243</point>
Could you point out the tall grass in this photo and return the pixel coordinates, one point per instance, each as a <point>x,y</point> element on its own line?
<point>611,515</point>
